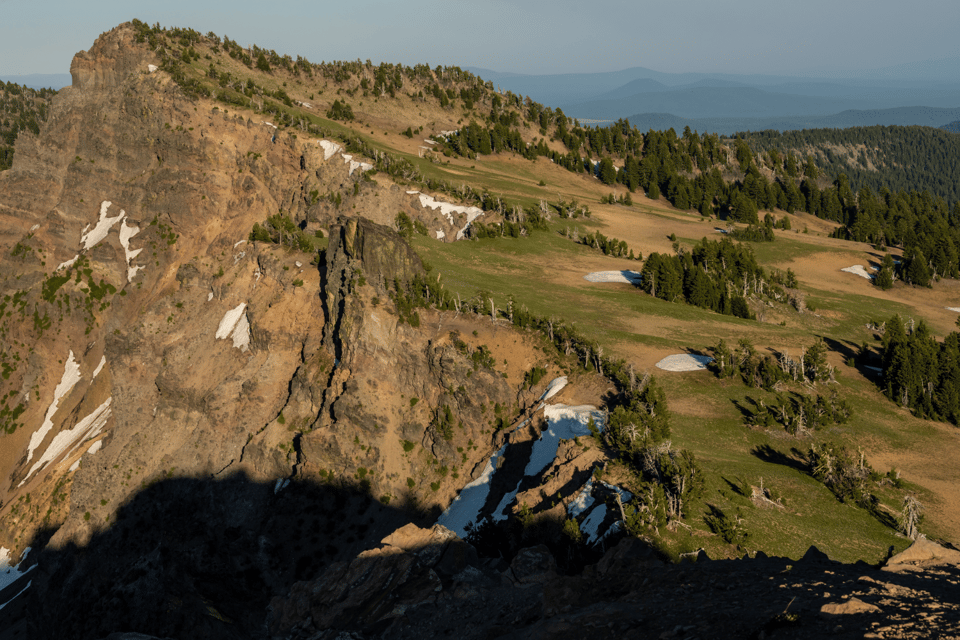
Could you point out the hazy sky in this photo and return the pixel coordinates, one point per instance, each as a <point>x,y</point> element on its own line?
<point>525,36</point>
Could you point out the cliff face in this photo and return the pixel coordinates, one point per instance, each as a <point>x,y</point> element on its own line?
<point>207,417</point>
<point>147,332</point>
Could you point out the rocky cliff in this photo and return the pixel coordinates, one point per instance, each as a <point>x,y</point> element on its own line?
<point>151,349</point>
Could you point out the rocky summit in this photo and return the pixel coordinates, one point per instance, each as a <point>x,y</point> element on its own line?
<point>236,407</point>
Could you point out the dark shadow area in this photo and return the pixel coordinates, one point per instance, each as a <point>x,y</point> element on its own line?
<point>197,558</point>
<point>735,487</point>
<point>768,454</point>
<point>845,348</point>
<point>746,411</point>
<point>208,559</point>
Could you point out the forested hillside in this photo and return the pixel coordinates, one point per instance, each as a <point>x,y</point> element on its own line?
<point>898,158</point>
<point>21,109</point>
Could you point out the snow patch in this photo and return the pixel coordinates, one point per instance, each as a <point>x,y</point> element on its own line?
<point>441,235</point>
<point>957,309</point>
<point>466,507</point>
<point>281,485</point>
<point>99,232</point>
<point>236,326</point>
<point>24,590</point>
<point>8,571</point>
<point>152,68</point>
<point>71,376</point>
<point>583,501</point>
<point>329,148</point>
<point>238,243</point>
<point>563,423</point>
<point>96,446</point>
<point>103,361</point>
<point>684,362</point>
<point>127,232</point>
<point>210,296</point>
<point>625,496</point>
<point>354,165</point>
<point>68,263</point>
<point>591,525</point>
<point>498,514</point>
<point>448,210</point>
<point>859,270</point>
<point>627,277</point>
<point>74,466</point>
<point>34,228</point>
<point>89,427</point>
<point>554,388</point>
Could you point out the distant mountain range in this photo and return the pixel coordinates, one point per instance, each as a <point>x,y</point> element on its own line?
<point>726,103</point>
<point>901,116</point>
<point>953,126</point>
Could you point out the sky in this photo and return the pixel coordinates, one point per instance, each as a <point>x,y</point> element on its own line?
<point>783,37</point>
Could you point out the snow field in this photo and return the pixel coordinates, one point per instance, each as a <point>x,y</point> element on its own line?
<point>89,427</point>
<point>71,376</point>
<point>10,573</point>
<point>465,509</point>
<point>684,362</point>
<point>329,148</point>
<point>127,232</point>
<point>448,210</point>
<point>554,388</point>
<point>564,423</point>
<point>586,503</point>
<point>68,263</point>
<point>3,604</point>
<point>99,232</point>
<point>626,277</point>
<point>103,361</point>
<point>234,325</point>
<point>859,270</point>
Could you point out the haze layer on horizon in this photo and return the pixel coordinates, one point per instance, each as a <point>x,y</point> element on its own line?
<point>815,38</point>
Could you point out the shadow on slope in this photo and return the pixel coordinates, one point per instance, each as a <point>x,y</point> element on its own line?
<point>198,558</point>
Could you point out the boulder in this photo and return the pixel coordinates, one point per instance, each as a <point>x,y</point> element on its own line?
<point>853,605</point>
<point>533,565</point>
<point>922,553</point>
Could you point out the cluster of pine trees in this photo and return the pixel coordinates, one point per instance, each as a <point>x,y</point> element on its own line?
<point>716,275</point>
<point>920,373</point>
<point>609,246</point>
